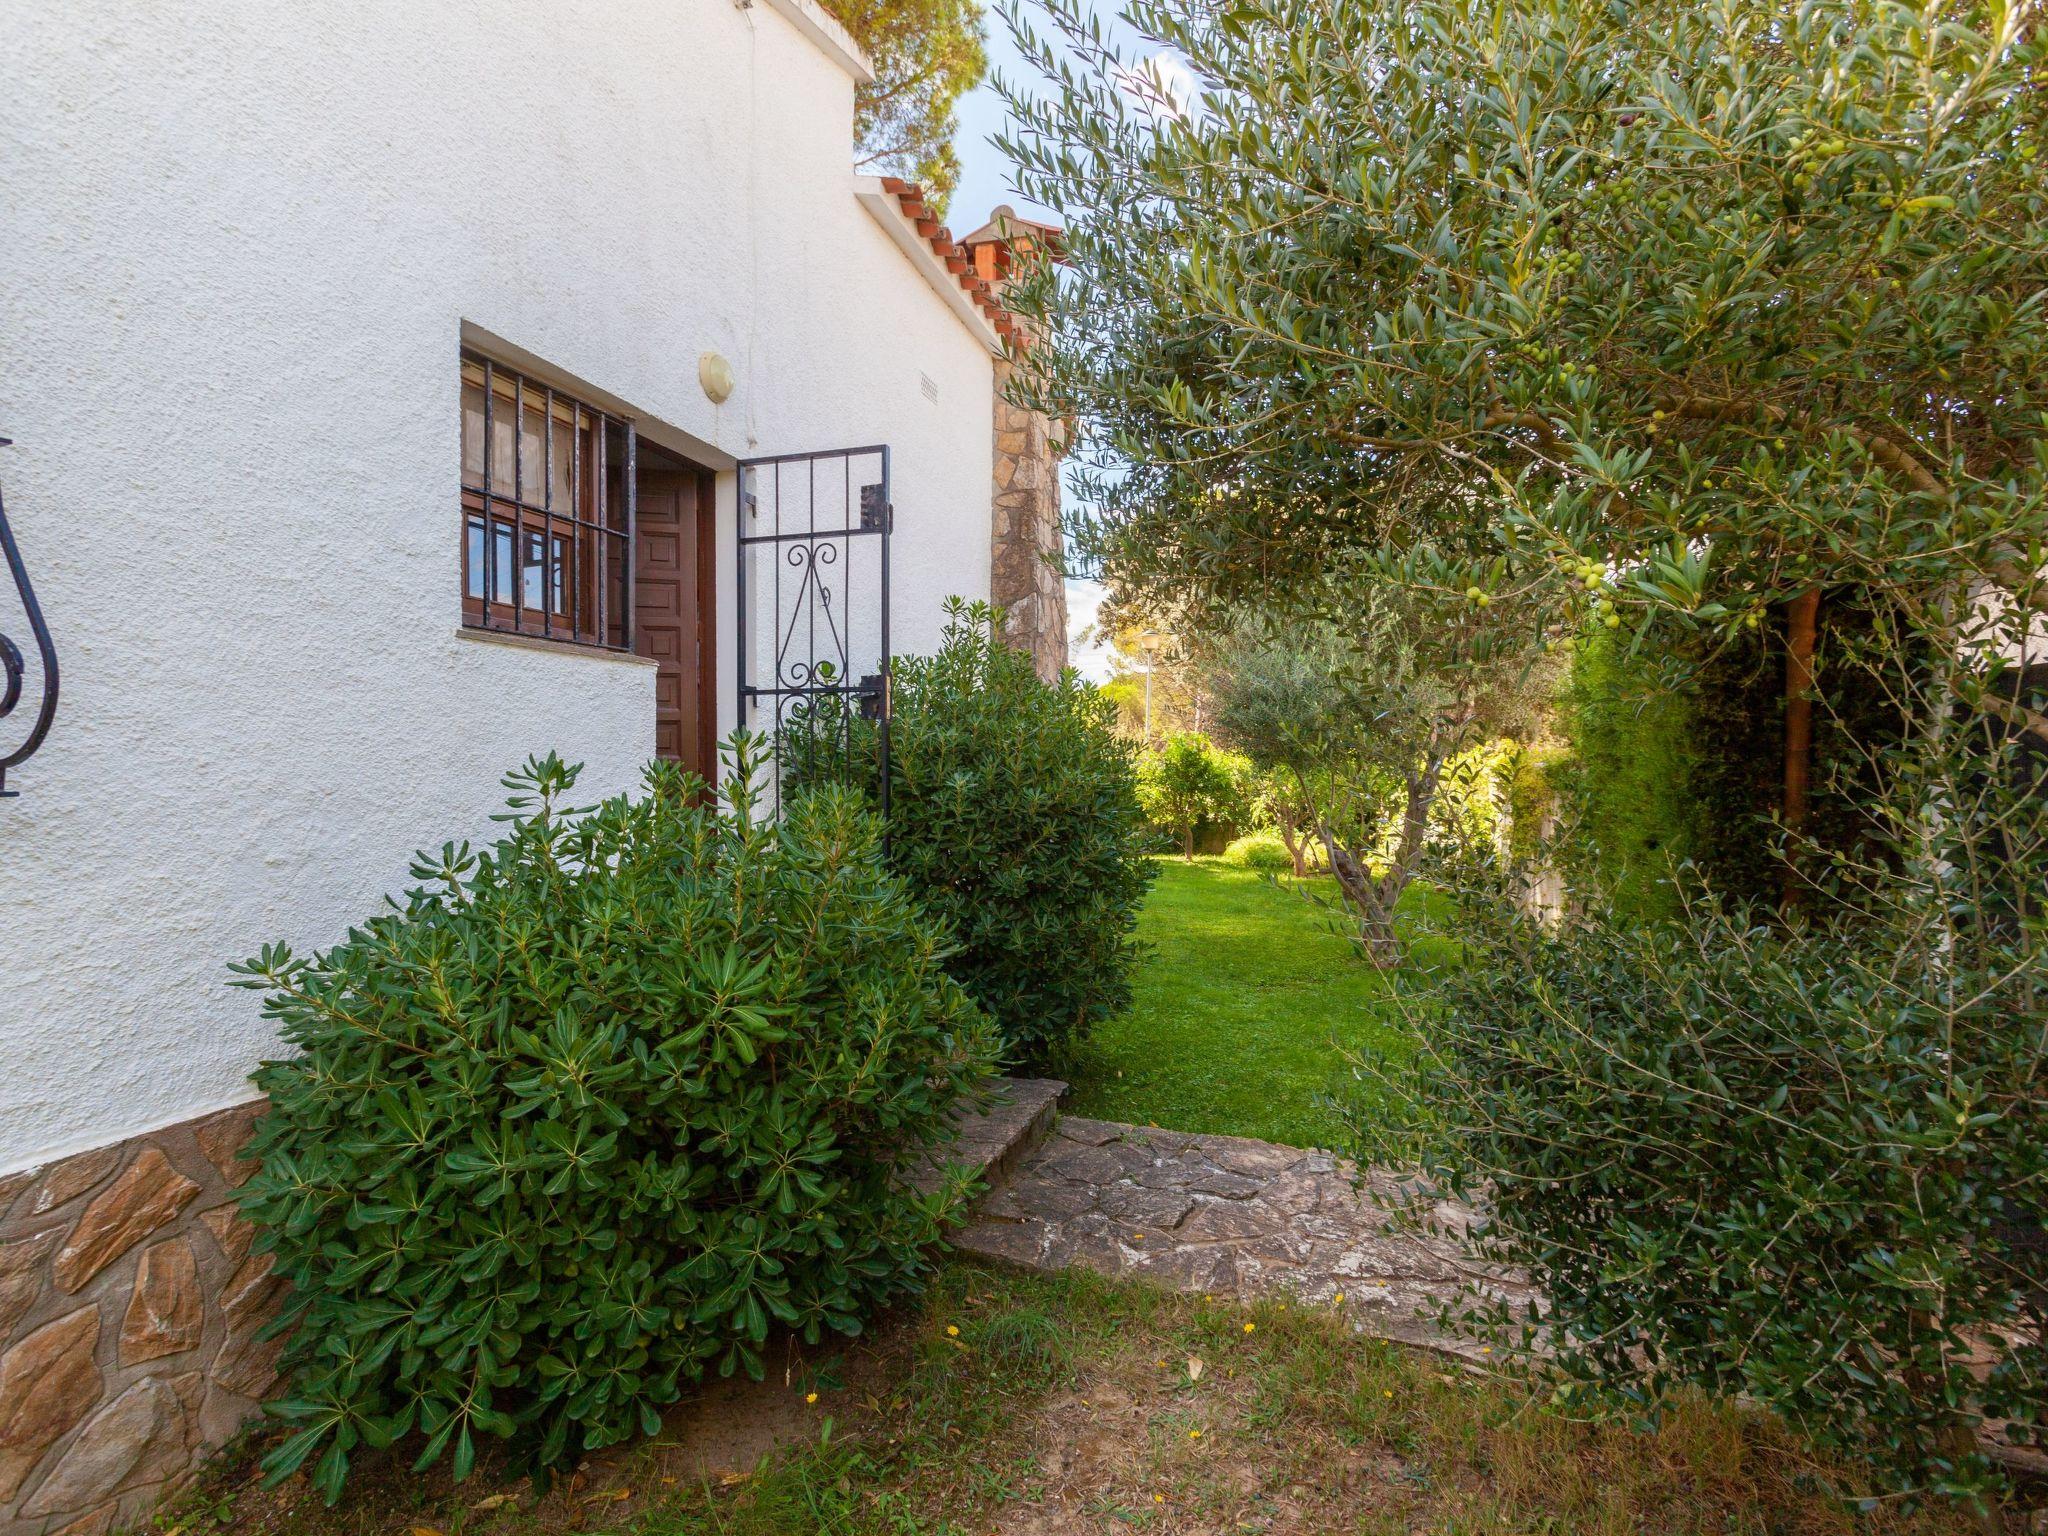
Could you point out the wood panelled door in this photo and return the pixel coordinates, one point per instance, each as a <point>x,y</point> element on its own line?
<point>673,622</point>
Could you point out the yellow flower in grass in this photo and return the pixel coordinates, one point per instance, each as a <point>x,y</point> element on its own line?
<point>952,1332</point>
<point>810,1397</point>
<point>1251,1327</point>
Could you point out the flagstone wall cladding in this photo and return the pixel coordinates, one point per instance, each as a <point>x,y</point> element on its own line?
<point>1024,574</point>
<point>129,1308</point>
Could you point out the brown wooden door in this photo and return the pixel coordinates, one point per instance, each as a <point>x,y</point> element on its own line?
<point>672,606</point>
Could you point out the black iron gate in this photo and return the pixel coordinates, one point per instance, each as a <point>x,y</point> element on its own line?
<point>813,606</point>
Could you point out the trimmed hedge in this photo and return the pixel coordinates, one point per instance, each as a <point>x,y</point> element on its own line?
<point>1629,778</point>
<point>1677,757</point>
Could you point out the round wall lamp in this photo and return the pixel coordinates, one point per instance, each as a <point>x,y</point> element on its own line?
<point>715,374</point>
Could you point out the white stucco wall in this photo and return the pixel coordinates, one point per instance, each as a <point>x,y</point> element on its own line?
<point>239,246</point>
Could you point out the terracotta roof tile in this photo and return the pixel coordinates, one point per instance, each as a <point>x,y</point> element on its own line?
<point>957,257</point>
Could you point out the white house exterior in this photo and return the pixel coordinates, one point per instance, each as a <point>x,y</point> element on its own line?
<point>249,251</point>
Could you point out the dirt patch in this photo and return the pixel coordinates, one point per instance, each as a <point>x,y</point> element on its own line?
<point>1167,1444</point>
<point>1022,1405</point>
<point>710,1442</point>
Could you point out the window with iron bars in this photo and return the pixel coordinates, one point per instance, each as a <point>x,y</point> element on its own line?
<point>547,511</point>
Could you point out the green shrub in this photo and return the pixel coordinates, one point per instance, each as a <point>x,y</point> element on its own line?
<point>1013,814</point>
<point>1188,782</point>
<point>593,1110</point>
<point>1260,850</point>
<point>1809,1168</point>
<point>1629,777</point>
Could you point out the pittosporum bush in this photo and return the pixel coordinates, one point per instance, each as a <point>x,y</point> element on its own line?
<point>593,1110</point>
<point>1013,815</point>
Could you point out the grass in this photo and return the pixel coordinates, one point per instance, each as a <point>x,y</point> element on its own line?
<point>1070,1404</point>
<point>1011,1404</point>
<point>1243,1009</point>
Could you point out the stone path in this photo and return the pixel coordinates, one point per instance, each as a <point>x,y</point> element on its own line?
<point>1222,1214</point>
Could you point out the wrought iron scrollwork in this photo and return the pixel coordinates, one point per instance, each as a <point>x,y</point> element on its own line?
<point>14,666</point>
<point>814,573</point>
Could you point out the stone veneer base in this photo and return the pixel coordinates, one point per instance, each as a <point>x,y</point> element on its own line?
<point>129,1307</point>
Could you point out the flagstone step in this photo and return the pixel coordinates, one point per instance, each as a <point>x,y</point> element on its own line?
<point>993,1142</point>
<point>1227,1215</point>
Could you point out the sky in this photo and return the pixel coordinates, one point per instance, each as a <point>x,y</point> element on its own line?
<point>985,173</point>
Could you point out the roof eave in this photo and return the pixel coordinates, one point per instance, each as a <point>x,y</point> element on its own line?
<point>827,36</point>
<point>924,255</point>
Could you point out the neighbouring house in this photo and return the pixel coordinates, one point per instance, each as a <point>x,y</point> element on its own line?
<point>397,390</point>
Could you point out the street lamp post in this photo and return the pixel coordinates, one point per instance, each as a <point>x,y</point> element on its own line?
<point>1149,642</point>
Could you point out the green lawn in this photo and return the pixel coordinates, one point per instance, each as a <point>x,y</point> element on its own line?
<point>1242,1007</point>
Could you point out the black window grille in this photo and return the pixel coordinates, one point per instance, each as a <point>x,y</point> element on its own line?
<point>548,509</point>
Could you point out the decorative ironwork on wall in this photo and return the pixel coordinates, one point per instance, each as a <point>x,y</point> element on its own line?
<point>813,610</point>
<point>14,665</point>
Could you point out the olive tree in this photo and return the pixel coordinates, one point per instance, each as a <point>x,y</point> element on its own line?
<point>1654,304</point>
<point>1278,795</point>
<point>1362,718</point>
<point>1666,317</point>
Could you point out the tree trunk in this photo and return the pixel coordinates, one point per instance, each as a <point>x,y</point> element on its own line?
<point>1297,846</point>
<point>1801,624</point>
<point>1381,943</point>
<point>1187,841</point>
<point>1367,896</point>
<point>1415,817</point>
<point>1374,901</point>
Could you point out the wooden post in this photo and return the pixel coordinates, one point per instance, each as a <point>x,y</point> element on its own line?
<point>1801,623</point>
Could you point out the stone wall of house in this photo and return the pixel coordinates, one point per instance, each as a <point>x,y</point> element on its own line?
<point>1024,569</point>
<point>1025,578</point>
<point>129,1308</point>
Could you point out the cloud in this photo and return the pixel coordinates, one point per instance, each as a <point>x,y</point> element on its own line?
<point>1088,653</point>
<point>1162,83</point>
